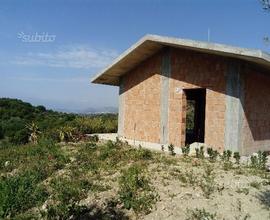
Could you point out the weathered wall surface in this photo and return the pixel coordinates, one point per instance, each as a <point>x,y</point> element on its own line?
<point>152,101</point>
<point>142,95</point>
<point>234,115</point>
<point>256,126</point>
<point>154,106</point>
<point>197,70</point>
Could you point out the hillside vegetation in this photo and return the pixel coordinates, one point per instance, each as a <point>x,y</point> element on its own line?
<point>57,172</point>
<point>20,122</point>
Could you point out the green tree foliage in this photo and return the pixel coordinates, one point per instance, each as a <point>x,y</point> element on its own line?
<point>21,122</point>
<point>1,132</point>
<point>266,4</point>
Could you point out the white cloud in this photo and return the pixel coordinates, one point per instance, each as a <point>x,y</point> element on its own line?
<point>69,57</point>
<point>78,79</point>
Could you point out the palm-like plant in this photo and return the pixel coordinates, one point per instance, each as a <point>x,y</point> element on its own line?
<point>34,132</point>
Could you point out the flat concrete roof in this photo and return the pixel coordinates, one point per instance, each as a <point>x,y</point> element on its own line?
<point>150,44</point>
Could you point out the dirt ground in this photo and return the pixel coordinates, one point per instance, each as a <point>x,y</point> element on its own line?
<point>232,193</point>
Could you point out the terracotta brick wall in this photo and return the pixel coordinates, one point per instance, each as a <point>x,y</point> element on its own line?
<point>142,88</point>
<point>142,101</point>
<point>256,126</point>
<point>197,70</point>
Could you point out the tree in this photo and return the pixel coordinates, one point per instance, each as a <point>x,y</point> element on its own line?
<point>266,4</point>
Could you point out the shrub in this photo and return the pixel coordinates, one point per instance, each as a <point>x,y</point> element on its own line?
<point>19,137</point>
<point>20,193</point>
<point>171,149</point>
<point>262,159</point>
<point>93,138</point>
<point>185,150</point>
<point>237,157</point>
<point>200,214</point>
<point>259,162</point>
<point>213,154</point>
<point>135,191</point>
<point>45,157</point>
<point>226,156</point>
<point>143,154</point>
<point>254,161</point>
<point>67,192</point>
<point>200,152</point>
<point>188,177</point>
<point>207,183</point>
<point>104,123</point>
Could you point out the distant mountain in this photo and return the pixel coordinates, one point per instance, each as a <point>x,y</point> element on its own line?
<point>90,111</point>
<point>99,110</point>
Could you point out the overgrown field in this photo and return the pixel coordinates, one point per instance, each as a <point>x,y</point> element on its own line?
<point>112,180</point>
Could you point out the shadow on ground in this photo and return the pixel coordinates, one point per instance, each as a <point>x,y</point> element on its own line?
<point>264,198</point>
<point>107,212</point>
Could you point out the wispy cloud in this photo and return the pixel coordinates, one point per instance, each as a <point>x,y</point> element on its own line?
<point>78,79</point>
<point>78,56</point>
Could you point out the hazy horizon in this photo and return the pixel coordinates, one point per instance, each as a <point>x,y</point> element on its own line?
<point>51,49</point>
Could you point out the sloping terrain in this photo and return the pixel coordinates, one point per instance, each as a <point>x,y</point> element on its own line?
<point>111,180</point>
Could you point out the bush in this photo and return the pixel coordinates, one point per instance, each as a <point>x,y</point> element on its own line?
<point>259,162</point>
<point>185,150</point>
<point>93,138</point>
<point>67,192</point>
<point>135,192</point>
<point>19,137</point>
<point>171,149</point>
<point>226,156</point>
<point>200,214</point>
<point>45,157</point>
<point>213,154</point>
<point>200,152</point>
<point>105,123</point>
<point>143,154</point>
<point>207,183</point>
<point>237,157</point>
<point>188,177</point>
<point>20,193</point>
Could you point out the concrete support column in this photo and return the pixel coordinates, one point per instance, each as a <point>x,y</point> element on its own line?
<point>164,109</point>
<point>121,110</point>
<point>234,107</point>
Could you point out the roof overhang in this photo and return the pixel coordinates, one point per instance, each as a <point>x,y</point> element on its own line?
<point>150,44</point>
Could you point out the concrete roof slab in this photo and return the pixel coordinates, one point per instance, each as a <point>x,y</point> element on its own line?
<point>150,44</point>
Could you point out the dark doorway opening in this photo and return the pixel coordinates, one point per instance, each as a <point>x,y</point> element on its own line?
<point>195,115</point>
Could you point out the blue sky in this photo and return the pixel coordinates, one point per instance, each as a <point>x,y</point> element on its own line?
<point>90,34</point>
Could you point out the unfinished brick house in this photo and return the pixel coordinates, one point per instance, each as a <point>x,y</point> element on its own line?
<point>228,86</point>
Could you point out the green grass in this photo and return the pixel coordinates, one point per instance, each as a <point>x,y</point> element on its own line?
<point>20,193</point>
<point>135,191</point>
<point>57,178</point>
<point>46,156</point>
<point>21,185</point>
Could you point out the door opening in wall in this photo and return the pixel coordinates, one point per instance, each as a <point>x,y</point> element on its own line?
<point>195,115</point>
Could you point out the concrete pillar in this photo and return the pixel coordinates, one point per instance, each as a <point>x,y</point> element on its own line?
<point>121,110</point>
<point>234,107</point>
<point>164,109</point>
